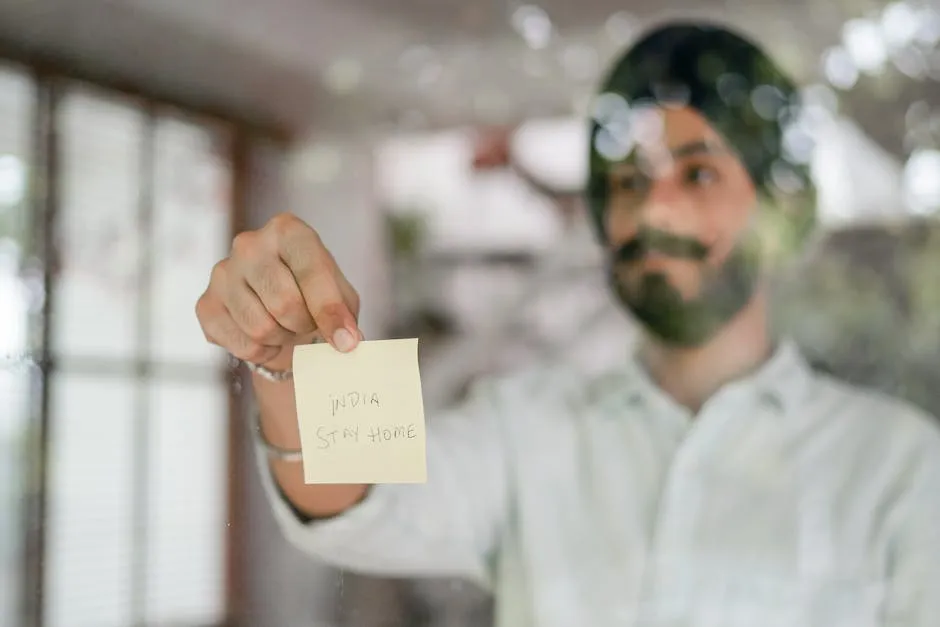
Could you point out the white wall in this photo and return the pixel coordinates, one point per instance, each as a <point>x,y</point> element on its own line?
<point>466,210</point>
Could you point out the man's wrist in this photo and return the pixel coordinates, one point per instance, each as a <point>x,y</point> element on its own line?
<point>288,451</point>
<point>277,434</point>
<point>272,421</point>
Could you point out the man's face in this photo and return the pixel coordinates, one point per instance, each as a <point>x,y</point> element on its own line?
<point>678,228</point>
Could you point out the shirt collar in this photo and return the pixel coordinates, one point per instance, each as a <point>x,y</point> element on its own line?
<point>782,381</point>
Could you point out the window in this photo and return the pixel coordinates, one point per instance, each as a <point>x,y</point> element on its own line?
<point>113,210</point>
<point>139,403</point>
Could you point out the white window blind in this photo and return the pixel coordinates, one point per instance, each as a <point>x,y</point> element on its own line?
<point>89,529</point>
<point>192,183</point>
<point>98,286</point>
<point>187,479</point>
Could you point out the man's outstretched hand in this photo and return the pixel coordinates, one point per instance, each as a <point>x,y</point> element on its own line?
<point>278,288</point>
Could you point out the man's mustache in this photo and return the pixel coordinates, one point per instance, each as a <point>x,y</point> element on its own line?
<point>654,241</point>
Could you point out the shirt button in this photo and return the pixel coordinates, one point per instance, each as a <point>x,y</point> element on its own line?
<point>634,399</point>
<point>769,399</point>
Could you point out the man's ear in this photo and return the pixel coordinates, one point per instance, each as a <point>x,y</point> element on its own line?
<point>784,223</point>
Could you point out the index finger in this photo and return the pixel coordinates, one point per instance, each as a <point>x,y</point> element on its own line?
<point>316,274</point>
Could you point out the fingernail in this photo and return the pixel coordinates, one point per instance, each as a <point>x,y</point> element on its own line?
<point>343,340</point>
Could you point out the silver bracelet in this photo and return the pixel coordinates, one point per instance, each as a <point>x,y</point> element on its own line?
<point>275,376</point>
<point>274,451</point>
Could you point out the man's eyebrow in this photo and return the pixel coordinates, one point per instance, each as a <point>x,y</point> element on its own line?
<point>697,148</point>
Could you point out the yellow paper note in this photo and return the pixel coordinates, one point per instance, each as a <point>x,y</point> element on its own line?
<point>361,413</point>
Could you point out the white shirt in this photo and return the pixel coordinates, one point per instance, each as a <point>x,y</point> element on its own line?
<point>790,500</point>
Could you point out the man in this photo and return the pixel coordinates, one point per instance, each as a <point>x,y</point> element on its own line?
<point>713,479</point>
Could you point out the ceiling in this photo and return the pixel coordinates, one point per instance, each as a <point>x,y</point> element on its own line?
<point>343,65</point>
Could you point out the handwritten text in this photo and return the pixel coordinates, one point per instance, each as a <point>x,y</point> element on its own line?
<point>329,436</point>
<point>342,402</point>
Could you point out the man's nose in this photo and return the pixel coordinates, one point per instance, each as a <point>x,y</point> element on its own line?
<point>665,207</point>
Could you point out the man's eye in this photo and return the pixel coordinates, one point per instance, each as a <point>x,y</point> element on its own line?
<point>701,175</point>
<point>629,182</point>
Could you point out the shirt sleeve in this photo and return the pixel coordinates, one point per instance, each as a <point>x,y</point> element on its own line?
<point>914,580</point>
<point>448,526</point>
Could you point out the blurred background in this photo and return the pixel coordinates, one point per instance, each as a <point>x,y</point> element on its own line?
<point>439,147</point>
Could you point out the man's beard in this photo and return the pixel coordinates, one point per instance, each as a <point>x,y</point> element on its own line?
<point>659,306</point>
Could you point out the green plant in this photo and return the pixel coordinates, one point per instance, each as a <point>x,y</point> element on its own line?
<point>407,231</point>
